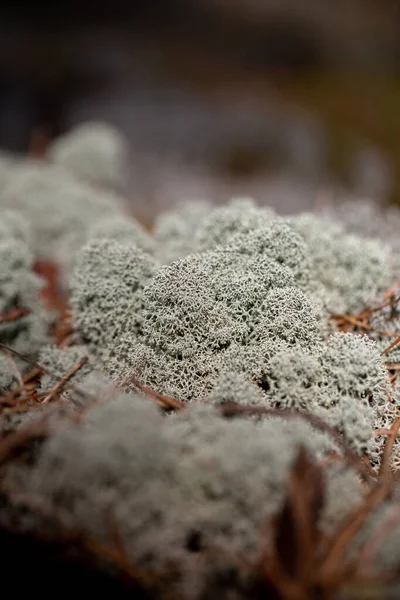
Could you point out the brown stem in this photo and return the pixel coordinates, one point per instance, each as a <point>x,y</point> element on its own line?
<point>58,387</point>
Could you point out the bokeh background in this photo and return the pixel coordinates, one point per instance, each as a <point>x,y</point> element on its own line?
<point>287,101</point>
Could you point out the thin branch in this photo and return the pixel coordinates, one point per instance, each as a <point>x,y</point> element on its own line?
<point>232,409</point>
<point>58,387</point>
<point>357,517</point>
<point>333,556</point>
<point>369,311</point>
<point>14,440</point>
<point>14,315</point>
<point>32,374</point>
<point>162,400</point>
<point>377,432</point>
<point>28,360</point>
<point>361,325</point>
<point>396,341</point>
<point>385,469</point>
<point>369,549</point>
<point>15,369</point>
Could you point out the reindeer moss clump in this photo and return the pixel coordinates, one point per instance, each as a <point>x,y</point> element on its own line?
<point>211,393</point>
<point>177,484</point>
<point>107,287</point>
<point>95,152</point>
<point>59,362</point>
<point>194,310</point>
<point>24,319</point>
<point>247,308</point>
<point>122,229</point>
<point>352,270</point>
<point>174,229</point>
<point>59,210</point>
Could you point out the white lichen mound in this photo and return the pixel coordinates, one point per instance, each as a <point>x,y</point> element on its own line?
<point>13,225</point>
<point>350,269</point>
<point>177,487</point>
<point>59,362</point>
<point>195,309</point>
<point>343,381</point>
<point>8,377</point>
<point>234,387</point>
<point>58,208</point>
<point>107,286</point>
<point>20,288</point>
<point>219,226</point>
<point>241,314</point>
<point>368,219</point>
<point>123,229</point>
<point>359,390</point>
<point>197,226</point>
<point>8,161</point>
<point>174,229</point>
<point>95,152</point>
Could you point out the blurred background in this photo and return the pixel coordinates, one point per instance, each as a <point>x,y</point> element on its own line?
<point>288,101</point>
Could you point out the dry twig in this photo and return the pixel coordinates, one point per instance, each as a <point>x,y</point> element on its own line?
<point>231,409</point>
<point>161,399</point>
<point>58,387</point>
<point>14,315</point>
<point>395,343</point>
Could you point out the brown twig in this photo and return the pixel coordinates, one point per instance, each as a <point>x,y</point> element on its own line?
<point>362,325</point>
<point>334,553</point>
<point>385,469</point>
<point>15,369</point>
<point>28,360</point>
<point>332,563</point>
<point>162,399</point>
<point>13,441</point>
<point>377,432</point>
<point>58,387</point>
<point>10,399</point>
<point>367,312</point>
<point>396,341</point>
<point>32,374</point>
<point>369,549</point>
<point>232,409</point>
<point>14,315</point>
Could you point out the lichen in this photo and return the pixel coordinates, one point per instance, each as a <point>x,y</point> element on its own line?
<point>58,208</point>
<point>123,229</point>
<point>95,152</point>
<point>174,229</point>
<point>352,270</point>
<point>20,288</point>
<point>107,283</point>
<point>169,481</point>
<point>58,362</point>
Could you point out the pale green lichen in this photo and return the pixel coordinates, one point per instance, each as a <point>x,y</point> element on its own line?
<point>352,270</point>
<point>8,377</point>
<point>95,152</point>
<point>108,281</point>
<point>123,229</point>
<point>242,308</point>
<point>58,362</point>
<point>174,229</point>
<point>192,313</point>
<point>20,288</point>
<point>123,456</point>
<point>219,226</point>
<point>58,208</point>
